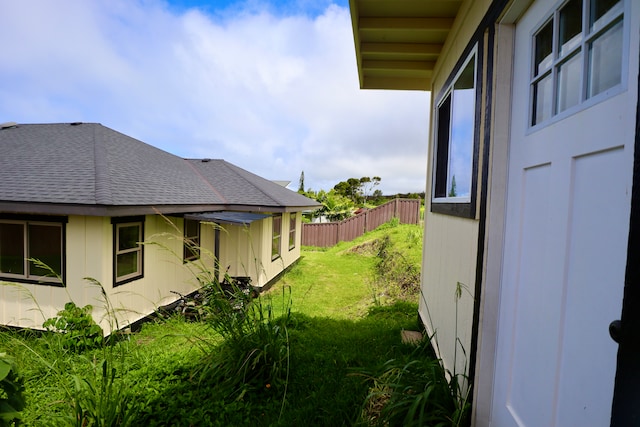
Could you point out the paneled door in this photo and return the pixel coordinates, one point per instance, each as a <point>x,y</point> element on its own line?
<point>567,214</point>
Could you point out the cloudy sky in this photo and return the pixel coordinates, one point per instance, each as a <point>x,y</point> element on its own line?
<point>268,85</point>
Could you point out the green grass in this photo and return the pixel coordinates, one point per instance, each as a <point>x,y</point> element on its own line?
<point>336,331</point>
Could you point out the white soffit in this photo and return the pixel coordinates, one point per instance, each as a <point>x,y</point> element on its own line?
<point>399,41</point>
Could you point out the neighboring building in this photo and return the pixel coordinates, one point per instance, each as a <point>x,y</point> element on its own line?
<point>532,196</point>
<point>80,197</point>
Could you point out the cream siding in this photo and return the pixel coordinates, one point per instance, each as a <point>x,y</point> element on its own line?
<point>287,257</point>
<point>89,254</point>
<point>451,243</point>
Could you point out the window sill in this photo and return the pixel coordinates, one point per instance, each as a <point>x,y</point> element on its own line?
<point>12,279</point>
<point>462,210</point>
<point>127,280</point>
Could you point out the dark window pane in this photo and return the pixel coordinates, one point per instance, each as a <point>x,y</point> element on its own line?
<point>45,245</point>
<point>192,228</point>
<point>12,252</point>
<point>277,225</point>
<point>442,150</point>
<point>544,48</point>
<point>128,237</point>
<point>570,25</point>
<point>127,264</point>
<point>192,240</point>
<point>599,8</point>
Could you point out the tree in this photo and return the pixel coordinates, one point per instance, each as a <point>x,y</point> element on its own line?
<point>357,189</point>
<point>453,192</point>
<point>367,184</point>
<point>301,183</point>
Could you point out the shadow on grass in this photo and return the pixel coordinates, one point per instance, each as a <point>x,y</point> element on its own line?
<point>323,386</point>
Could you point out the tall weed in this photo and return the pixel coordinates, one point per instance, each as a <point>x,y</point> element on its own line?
<point>394,275</point>
<point>417,391</point>
<point>254,356</point>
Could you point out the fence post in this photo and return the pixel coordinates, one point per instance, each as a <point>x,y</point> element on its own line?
<point>366,220</point>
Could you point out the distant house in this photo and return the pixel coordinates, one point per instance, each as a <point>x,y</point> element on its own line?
<point>533,196</point>
<point>81,198</point>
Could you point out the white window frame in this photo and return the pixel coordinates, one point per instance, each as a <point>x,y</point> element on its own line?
<point>588,35</point>
<point>139,273</point>
<point>34,278</point>
<point>276,239</point>
<point>292,230</point>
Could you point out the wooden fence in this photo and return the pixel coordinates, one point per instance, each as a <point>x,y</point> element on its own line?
<point>330,233</point>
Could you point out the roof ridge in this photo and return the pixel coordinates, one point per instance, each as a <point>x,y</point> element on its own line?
<point>103,193</point>
<point>206,181</point>
<point>234,168</point>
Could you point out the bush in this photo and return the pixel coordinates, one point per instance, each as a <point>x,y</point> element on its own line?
<point>393,272</point>
<point>79,331</point>
<point>11,389</point>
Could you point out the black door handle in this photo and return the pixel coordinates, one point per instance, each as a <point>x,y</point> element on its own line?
<point>615,330</point>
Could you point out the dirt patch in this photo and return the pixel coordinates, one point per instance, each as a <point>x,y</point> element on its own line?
<point>366,248</point>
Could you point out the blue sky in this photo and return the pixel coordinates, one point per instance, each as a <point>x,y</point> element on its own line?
<point>270,86</point>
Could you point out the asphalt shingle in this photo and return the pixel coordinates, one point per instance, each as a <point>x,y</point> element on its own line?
<point>90,164</point>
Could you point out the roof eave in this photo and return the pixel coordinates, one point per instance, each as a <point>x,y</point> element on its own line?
<point>397,45</point>
<point>34,208</point>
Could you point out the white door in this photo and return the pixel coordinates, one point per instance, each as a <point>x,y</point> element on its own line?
<point>567,223</point>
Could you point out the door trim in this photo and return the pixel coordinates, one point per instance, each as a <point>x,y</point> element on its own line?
<point>625,410</point>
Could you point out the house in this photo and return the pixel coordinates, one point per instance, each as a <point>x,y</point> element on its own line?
<point>530,280</point>
<point>82,198</point>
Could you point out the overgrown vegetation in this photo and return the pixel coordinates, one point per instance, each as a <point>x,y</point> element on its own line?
<point>11,392</point>
<point>316,348</point>
<point>415,391</point>
<point>76,328</point>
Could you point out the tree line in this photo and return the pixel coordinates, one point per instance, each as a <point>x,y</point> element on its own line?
<point>349,196</point>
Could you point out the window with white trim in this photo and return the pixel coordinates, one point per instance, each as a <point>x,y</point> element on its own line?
<point>32,251</point>
<point>191,240</point>
<point>128,251</point>
<point>292,230</point>
<point>455,139</point>
<point>276,231</point>
<point>577,55</point>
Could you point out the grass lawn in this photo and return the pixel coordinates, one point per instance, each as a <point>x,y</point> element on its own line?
<point>340,323</point>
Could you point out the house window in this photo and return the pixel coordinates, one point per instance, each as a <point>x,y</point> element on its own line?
<point>292,231</point>
<point>191,240</point>
<point>275,236</point>
<point>32,250</point>
<point>577,56</point>
<point>455,138</point>
<point>128,250</point>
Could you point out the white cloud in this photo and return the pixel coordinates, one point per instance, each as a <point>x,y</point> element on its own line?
<point>272,93</point>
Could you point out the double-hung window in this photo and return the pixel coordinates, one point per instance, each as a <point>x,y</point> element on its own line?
<point>276,231</point>
<point>577,55</point>
<point>33,250</point>
<point>191,240</point>
<point>128,250</point>
<point>455,143</point>
<point>292,231</point>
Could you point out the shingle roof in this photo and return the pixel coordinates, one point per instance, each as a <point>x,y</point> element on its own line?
<point>90,164</point>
